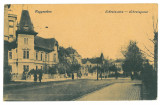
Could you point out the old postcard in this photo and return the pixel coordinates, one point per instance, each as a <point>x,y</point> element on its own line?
<point>80,52</point>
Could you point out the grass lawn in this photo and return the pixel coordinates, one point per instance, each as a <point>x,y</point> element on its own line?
<point>55,91</point>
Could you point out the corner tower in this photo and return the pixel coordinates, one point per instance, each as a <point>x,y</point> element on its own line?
<point>25,26</point>
<point>25,42</point>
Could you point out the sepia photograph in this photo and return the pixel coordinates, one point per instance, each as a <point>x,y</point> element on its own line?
<point>80,52</point>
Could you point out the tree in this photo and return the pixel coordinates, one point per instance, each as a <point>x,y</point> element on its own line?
<point>92,69</point>
<point>65,52</point>
<point>153,54</point>
<point>62,54</point>
<point>75,68</point>
<point>68,63</point>
<point>105,67</point>
<point>52,70</point>
<point>7,68</point>
<point>133,58</point>
<point>31,72</point>
<point>62,69</point>
<point>25,74</point>
<point>113,68</point>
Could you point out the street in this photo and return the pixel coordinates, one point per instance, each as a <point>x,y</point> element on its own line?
<point>117,91</point>
<point>79,90</point>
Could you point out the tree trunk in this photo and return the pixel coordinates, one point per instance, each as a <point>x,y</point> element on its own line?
<point>107,73</point>
<point>104,73</point>
<point>97,73</point>
<point>101,75</point>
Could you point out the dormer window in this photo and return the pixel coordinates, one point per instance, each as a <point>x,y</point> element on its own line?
<point>25,27</point>
<point>25,40</point>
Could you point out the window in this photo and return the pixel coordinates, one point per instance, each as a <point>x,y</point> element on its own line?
<point>26,68</point>
<point>36,55</point>
<point>25,54</point>
<point>11,24</point>
<point>11,31</point>
<point>41,56</point>
<point>25,40</point>
<point>10,55</point>
<point>46,57</point>
<point>54,58</point>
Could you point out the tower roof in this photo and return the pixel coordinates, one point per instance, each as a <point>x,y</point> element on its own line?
<point>101,57</point>
<point>25,25</point>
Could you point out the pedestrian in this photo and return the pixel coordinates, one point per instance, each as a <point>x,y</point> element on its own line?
<point>40,76</point>
<point>132,75</point>
<point>116,75</point>
<point>72,76</point>
<point>35,76</point>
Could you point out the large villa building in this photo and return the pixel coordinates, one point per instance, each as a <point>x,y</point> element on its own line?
<point>26,50</point>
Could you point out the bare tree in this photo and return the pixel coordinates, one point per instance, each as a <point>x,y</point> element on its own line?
<point>155,28</point>
<point>148,53</point>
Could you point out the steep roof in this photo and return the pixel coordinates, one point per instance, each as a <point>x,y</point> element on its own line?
<point>46,44</point>
<point>92,60</point>
<point>39,43</point>
<point>25,26</point>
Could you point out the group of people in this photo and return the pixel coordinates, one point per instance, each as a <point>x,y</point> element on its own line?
<point>40,76</point>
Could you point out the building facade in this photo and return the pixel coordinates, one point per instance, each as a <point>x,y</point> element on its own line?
<point>27,50</point>
<point>10,24</point>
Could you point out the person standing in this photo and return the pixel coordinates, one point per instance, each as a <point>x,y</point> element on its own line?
<point>35,76</point>
<point>132,75</point>
<point>116,75</point>
<point>40,76</point>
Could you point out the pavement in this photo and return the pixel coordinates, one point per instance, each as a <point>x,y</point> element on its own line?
<point>77,90</point>
<point>117,91</point>
<point>44,80</point>
<point>63,79</point>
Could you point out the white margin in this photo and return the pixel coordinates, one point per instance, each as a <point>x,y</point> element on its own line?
<point>157,102</point>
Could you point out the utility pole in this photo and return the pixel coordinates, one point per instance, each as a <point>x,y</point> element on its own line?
<point>100,61</point>
<point>97,71</point>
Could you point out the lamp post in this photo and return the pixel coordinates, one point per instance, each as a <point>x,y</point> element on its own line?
<point>100,61</point>
<point>97,71</point>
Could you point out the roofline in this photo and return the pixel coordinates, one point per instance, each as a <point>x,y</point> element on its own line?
<point>28,33</point>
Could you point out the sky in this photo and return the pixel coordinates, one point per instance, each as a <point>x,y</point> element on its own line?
<point>91,31</point>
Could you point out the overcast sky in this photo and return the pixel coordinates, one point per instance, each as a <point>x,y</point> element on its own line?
<point>89,30</point>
